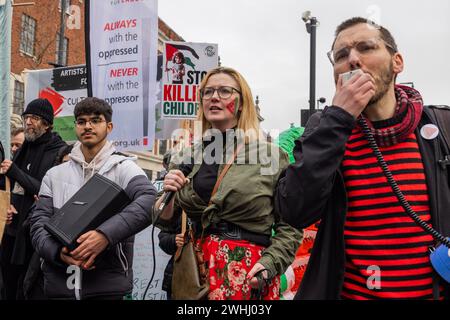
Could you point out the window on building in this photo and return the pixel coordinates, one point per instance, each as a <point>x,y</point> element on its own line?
<point>162,147</point>
<point>149,174</point>
<point>65,50</point>
<point>19,97</point>
<point>27,34</point>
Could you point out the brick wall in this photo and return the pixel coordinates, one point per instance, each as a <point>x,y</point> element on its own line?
<point>47,16</point>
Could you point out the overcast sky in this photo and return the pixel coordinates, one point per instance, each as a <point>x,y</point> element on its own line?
<point>267,42</point>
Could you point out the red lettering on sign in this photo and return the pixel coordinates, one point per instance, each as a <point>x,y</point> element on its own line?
<point>123,72</point>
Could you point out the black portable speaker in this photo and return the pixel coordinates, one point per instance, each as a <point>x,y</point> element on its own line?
<point>97,201</point>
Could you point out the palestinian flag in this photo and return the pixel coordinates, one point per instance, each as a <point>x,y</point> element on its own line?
<point>172,48</point>
<point>286,140</point>
<point>56,100</point>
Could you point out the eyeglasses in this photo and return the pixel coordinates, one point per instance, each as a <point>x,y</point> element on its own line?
<point>93,122</point>
<point>365,47</point>
<point>32,117</point>
<point>223,92</point>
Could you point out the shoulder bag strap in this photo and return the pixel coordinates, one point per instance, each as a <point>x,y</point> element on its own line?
<point>183,231</point>
<point>7,185</point>
<point>219,180</point>
<point>224,171</point>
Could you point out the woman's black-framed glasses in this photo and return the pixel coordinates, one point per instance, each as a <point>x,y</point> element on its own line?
<point>224,92</point>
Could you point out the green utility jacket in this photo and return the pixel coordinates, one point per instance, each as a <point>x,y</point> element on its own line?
<point>244,198</point>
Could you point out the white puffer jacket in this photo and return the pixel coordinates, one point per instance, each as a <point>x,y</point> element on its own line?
<point>113,271</point>
<point>63,181</point>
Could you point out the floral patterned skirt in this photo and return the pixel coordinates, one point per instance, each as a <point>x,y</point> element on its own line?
<point>228,263</point>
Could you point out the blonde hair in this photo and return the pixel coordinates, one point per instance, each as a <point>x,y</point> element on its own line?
<point>248,119</point>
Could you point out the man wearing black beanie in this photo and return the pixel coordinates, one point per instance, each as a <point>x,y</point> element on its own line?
<point>29,165</point>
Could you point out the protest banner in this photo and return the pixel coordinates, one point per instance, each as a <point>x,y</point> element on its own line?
<point>184,66</point>
<point>121,45</point>
<point>64,88</point>
<point>165,127</point>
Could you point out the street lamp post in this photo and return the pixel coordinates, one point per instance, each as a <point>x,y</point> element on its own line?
<point>61,33</point>
<point>311,26</point>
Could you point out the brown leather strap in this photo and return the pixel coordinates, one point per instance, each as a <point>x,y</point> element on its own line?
<point>183,231</point>
<point>7,184</point>
<point>224,171</point>
<point>216,186</point>
<point>183,222</point>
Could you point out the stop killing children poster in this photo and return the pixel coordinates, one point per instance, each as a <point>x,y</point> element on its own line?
<point>184,66</point>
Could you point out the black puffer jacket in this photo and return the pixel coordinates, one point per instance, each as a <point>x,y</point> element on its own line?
<point>30,164</point>
<point>313,189</point>
<point>168,245</point>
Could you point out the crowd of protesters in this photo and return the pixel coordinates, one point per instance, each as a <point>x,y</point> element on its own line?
<point>247,205</point>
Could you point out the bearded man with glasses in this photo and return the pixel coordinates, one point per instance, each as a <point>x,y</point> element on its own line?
<point>367,247</point>
<point>26,170</point>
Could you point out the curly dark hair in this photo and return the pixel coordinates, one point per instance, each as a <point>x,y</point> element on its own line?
<point>93,105</point>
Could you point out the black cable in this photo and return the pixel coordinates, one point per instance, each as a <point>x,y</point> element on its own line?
<point>154,261</point>
<point>186,169</point>
<point>398,193</point>
<point>153,252</point>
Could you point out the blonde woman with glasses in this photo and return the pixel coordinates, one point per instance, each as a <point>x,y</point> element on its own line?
<point>232,205</point>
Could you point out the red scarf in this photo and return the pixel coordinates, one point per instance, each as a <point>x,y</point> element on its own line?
<point>405,120</point>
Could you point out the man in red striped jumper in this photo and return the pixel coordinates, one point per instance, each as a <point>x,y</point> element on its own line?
<point>367,246</point>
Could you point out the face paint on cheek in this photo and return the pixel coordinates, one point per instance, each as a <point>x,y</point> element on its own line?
<point>233,107</point>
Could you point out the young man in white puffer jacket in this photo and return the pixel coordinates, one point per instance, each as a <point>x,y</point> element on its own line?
<point>111,276</point>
